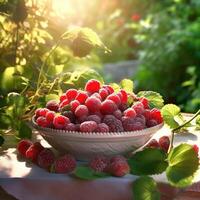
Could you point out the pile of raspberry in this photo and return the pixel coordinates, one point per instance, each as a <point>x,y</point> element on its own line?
<point>98,108</point>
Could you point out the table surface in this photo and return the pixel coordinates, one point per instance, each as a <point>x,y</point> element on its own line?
<point>25,180</point>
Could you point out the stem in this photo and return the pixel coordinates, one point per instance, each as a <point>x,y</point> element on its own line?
<point>179,127</point>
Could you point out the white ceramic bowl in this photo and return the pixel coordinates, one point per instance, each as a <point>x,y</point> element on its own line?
<point>86,145</point>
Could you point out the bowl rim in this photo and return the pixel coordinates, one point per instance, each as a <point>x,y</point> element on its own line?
<point>90,135</point>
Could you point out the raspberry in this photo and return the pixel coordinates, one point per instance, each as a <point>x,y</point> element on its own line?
<point>123,107</point>
<point>92,86</point>
<point>50,116</point>
<point>45,158</point>
<point>102,128</point>
<point>196,149</point>
<point>64,103</point>
<point>137,126</point>
<point>22,147</point>
<point>93,104</point>
<point>108,107</point>
<point>128,123</point>
<point>41,121</point>
<point>33,151</point>
<point>109,88</point>
<point>156,114</point>
<point>88,126</point>
<point>94,118</point>
<point>64,164</point>
<point>77,127</point>
<point>96,95</point>
<point>70,115</point>
<point>118,158</point>
<point>147,114</point>
<point>37,112</point>
<point>82,119</point>
<point>52,105</point>
<point>63,97</point>
<point>153,144</point>
<point>81,97</point>
<point>74,104</point>
<point>118,114</point>
<point>141,119</point>
<point>145,102</point>
<point>99,163</point>
<point>81,110</point>
<point>71,94</point>
<point>124,98</point>
<point>98,114</point>
<point>115,98</point>
<point>41,112</point>
<point>60,122</point>
<point>103,93</point>
<point>113,123</point>
<point>138,107</point>
<point>119,168</point>
<point>151,123</point>
<point>70,127</point>
<point>130,112</point>
<point>164,143</point>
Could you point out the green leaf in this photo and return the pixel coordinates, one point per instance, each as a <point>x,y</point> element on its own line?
<point>155,99</point>
<point>145,188</point>
<point>147,162</point>
<point>1,140</point>
<point>116,87</point>
<point>51,97</point>
<point>127,85</point>
<point>183,163</point>
<point>5,121</point>
<point>86,173</point>
<point>169,112</point>
<point>24,130</point>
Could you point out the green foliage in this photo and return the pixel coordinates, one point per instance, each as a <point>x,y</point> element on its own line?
<point>148,161</point>
<point>1,140</point>
<point>127,85</point>
<point>145,188</point>
<point>183,163</point>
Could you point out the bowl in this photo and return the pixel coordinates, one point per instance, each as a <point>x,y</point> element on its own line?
<point>84,146</point>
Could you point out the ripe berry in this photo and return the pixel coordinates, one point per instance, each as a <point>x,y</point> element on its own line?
<point>37,112</point>
<point>196,149</point>
<point>71,94</point>
<point>118,114</point>
<point>52,105</point>
<point>118,158</point>
<point>113,123</point>
<point>81,119</point>
<point>70,127</point>
<point>93,104</point>
<point>50,116</point>
<point>145,102</point>
<point>22,147</point>
<point>128,123</point>
<point>115,98</point>
<point>119,168</point>
<point>81,110</point>
<point>60,122</point>
<point>102,128</point>
<point>164,143</point>
<point>151,123</point>
<point>41,112</point>
<point>138,107</point>
<point>64,103</point>
<point>88,126</point>
<point>45,158</point>
<point>124,98</point>
<point>156,115</point>
<point>42,121</point>
<point>70,115</point>
<point>123,107</point>
<point>81,97</point>
<point>99,163</point>
<point>108,107</point>
<point>153,144</point>
<point>94,118</point>
<point>147,114</point>
<point>63,97</point>
<point>137,126</point>
<point>64,164</point>
<point>103,93</point>
<point>33,151</point>
<point>74,104</point>
<point>96,95</point>
<point>92,86</point>
<point>130,112</point>
<point>108,88</point>
<point>141,119</point>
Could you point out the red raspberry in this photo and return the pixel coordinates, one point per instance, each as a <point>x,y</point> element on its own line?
<point>60,122</point>
<point>147,114</point>
<point>118,158</point>
<point>22,147</point>
<point>196,149</point>
<point>96,95</point>
<point>128,123</point>
<point>50,116</point>
<point>138,107</point>
<point>88,126</point>
<point>108,88</point>
<point>119,168</point>
<point>153,144</point>
<point>70,127</point>
<point>81,97</point>
<point>164,143</point>
<point>102,128</point>
<point>113,123</point>
<point>77,126</point>
<point>71,94</point>
<point>123,107</point>
<point>81,119</point>
<point>99,163</point>
<point>52,105</point>
<point>130,112</point>
<point>41,121</point>
<point>41,112</point>
<point>94,118</point>
<point>115,98</point>
<point>74,104</point>
<point>108,107</point>
<point>98,114</point>
<point>37,112</point>
<point>33,151</point>
<point>45,158</point>
<point>151,123</point>
<point>64,164</point>
<point>118,114</point>
<point>92,86</point>
<point>156,114</point>
<point>64,103</point>
<point>63,97</point>
<point>93,104</point>
<point>145,102</point>
<point>81,110</point>
<point>141,119</point>
<point>137,126</point>
<point>70,115</point>
<point>124,98</point>
<point>103,93</point>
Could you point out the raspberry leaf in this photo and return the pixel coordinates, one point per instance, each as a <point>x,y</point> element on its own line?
<point>145,188</point>
<point>155,99</point>
<point>183,163</point>
<point>86,173</point>
<point>127,85</point>
<point>24,130</point>
<point>5,121</point>
<point>147,162</point>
